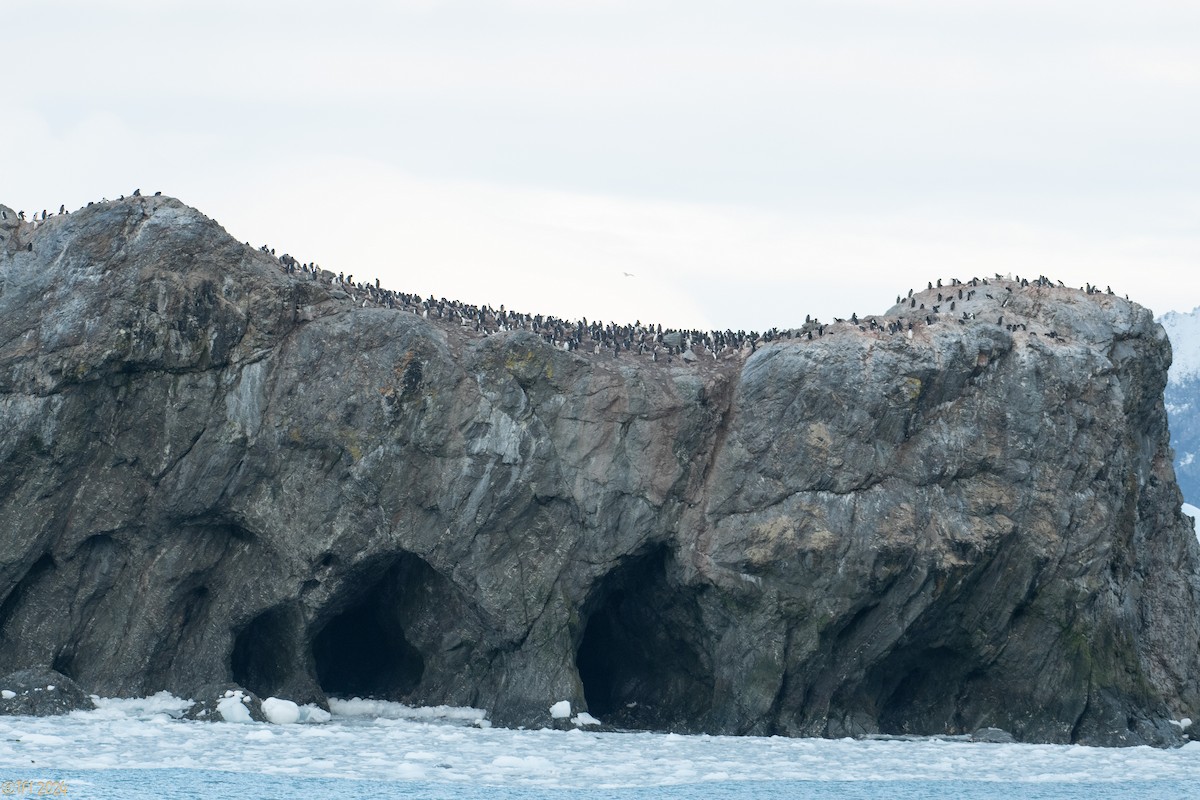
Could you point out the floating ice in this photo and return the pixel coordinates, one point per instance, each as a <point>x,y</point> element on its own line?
<point>233,709</point>
<point>437,753</point>
<point>314,713</point>
<point>561,709</point>
<point>357,707</point>
<point>8,694</point>
<point>584,718</point>
<point>280,712</point>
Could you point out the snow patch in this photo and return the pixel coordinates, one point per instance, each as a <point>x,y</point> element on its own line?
<point>584,718</point>
<point>8,694</point>
<point>561,709</point>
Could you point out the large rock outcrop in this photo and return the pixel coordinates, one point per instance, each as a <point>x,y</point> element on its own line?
<point>212,470</point>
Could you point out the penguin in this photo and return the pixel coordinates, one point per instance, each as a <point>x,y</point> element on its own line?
<point>137,192</point>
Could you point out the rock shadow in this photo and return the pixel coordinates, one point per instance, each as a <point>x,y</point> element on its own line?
<point>642,657</point>
<point>400,631</point>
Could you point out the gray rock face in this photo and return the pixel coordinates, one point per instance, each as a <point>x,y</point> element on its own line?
<point>213,471</point>
<point>41,692</point>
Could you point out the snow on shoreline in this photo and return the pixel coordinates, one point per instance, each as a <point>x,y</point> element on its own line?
<point>372,741</point>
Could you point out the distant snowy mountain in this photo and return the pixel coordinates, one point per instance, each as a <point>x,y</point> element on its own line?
<point>1184,332</point>
<point>1183,399</point>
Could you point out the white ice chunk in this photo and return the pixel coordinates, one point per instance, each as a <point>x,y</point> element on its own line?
<point>281,712</point>
<point>561,709</point>
<point>386,709</point>
<point>584,718</point>
<point>42,739</point>
<point>8,694</point>
<point>232,709</point>
<point>314,713</point>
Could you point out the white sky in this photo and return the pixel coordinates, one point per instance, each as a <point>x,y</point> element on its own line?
<point>749,162</point>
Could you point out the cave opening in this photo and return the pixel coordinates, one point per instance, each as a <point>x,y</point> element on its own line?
<point>364,650</point>
<point>641,657</point>
<point>264,652</point>
<point>918,690</point>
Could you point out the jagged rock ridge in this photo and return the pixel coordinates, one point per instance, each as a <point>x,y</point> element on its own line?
<point>213,470</point>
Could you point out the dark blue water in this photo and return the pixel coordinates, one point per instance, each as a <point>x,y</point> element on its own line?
<point>169,784</point>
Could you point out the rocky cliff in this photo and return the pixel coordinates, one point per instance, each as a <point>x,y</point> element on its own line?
<point>214,469</point>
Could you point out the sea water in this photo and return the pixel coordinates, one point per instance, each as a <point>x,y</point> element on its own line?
<point>139,749</point>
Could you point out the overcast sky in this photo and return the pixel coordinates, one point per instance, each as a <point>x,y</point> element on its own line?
<point>748,162</point>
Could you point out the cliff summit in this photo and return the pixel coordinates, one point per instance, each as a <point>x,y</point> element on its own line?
<point>221,465</point>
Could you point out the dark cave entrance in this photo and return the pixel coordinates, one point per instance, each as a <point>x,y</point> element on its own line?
<point>398,629</point>
<point>363,651</point>
<point>918,690</point>
<point>264,652</point>
<point>641,659</point>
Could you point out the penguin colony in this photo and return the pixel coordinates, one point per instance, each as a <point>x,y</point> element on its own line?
<point>937,305</point>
